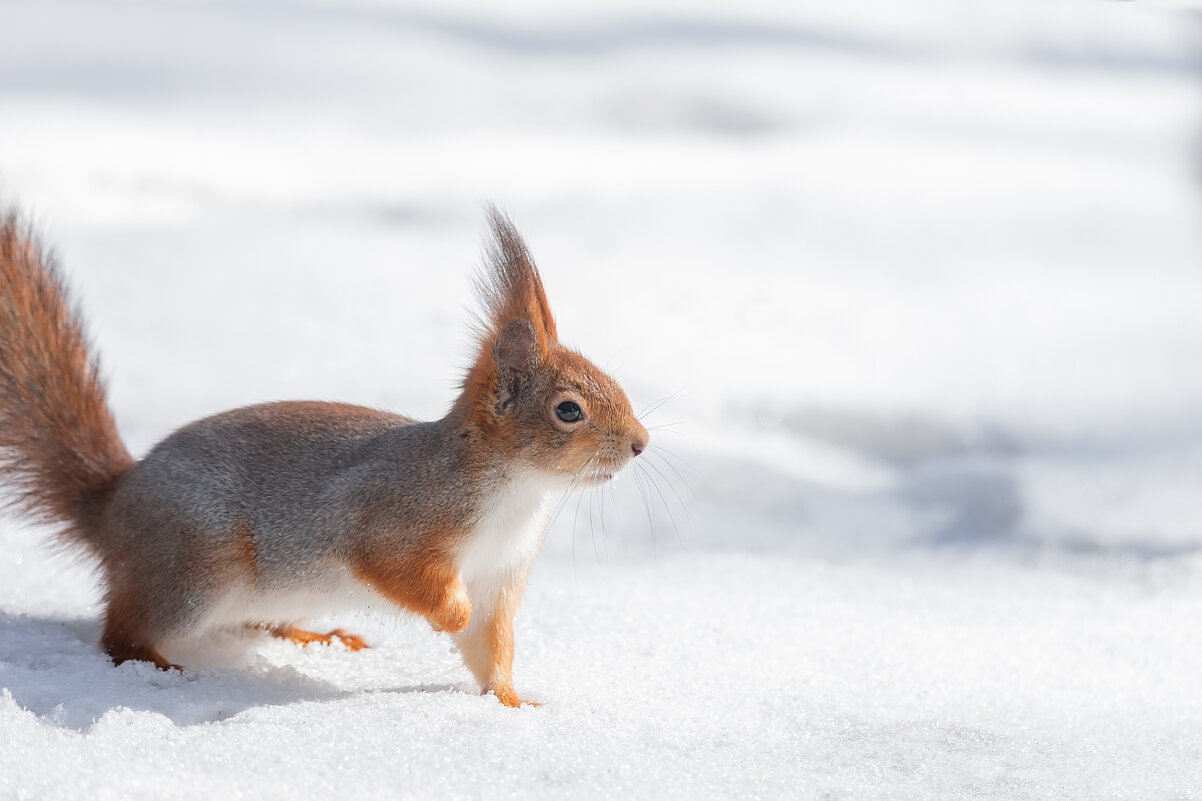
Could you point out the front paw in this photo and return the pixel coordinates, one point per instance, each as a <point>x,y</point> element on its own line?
<point>508,697</point>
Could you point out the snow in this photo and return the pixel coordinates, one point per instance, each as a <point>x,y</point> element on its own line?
<point>919,286</point>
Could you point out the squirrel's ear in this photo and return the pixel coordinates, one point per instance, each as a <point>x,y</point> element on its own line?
<point>515,350</point>
<point>515,347</point>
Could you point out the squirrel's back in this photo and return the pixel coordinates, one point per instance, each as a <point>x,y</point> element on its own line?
<point>303,476</point>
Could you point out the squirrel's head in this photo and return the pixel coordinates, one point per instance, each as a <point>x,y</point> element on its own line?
<point>539,403</point>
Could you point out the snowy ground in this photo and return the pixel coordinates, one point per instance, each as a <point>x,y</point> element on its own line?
<point>922,286</point>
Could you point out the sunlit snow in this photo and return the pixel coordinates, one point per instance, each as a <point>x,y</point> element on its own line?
<point>919,282</point>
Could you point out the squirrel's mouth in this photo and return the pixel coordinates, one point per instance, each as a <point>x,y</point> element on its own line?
<point>595,476</point>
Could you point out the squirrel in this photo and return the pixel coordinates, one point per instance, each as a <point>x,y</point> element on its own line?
<point>269,514</point>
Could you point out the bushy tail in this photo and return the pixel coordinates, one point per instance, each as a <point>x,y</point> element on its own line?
<point>59,449</point>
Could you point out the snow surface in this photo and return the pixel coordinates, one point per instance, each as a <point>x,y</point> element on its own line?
<point>919,284</point>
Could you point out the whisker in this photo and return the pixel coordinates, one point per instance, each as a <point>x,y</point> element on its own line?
<point>575,521</point>
<point>591,531</point>
<point>643,411</point>
<point>684,507</point>
<point>669,453</point>
<point>646,507</point>
<point>651,407</point>
<point>567,494</point>
<point>601,507</point>
<point>617,506</point>
<point>651,480</point>
<point>576,515</point>
<point>659,452</point>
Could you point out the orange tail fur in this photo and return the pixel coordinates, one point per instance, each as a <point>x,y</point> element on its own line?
<point>59,449</point>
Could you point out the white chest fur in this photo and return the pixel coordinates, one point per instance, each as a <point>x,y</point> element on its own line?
<point>507,538</point>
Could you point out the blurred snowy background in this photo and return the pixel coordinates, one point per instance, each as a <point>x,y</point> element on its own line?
<point>920,282</point>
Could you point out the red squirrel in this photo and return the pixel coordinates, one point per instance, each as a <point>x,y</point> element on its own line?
<point>266,515</point>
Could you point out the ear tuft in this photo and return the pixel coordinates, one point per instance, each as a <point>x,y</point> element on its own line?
<point>509,286</point>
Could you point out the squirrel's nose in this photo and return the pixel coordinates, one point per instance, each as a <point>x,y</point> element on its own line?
<point>638,443</point>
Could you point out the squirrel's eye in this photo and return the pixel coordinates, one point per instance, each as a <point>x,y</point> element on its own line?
<point>569,412</point>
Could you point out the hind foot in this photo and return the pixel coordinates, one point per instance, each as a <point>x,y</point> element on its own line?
<point>124,652</point>
<point>302,638</point>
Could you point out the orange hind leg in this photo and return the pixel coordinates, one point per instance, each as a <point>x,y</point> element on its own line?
<point>125,636</point>
<point>302,637</point>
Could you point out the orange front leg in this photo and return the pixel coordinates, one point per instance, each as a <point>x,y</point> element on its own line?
<point>427,584</point>
<point>487,645</point>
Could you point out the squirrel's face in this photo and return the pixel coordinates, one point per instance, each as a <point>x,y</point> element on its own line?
<point>588,426</point>
<point>559,414</point>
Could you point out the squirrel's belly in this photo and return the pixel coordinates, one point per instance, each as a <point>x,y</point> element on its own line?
<point>324,592</point>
